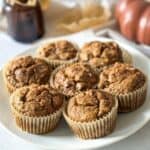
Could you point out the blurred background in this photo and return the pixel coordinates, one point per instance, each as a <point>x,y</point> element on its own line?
<point>30,21</point>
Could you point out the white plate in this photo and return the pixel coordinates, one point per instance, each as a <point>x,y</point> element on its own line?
<point>62,137</point>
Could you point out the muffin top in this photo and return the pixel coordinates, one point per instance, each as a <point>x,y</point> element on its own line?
<point>121,78</point>
<point>74,78</point>
<point>59,50</point>
<point>90,105</point>
<point>100,54</point>
<point>27,70</point>
<point>36,100</point>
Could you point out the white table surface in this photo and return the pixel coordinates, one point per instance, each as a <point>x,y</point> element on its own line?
<point>8,49</point>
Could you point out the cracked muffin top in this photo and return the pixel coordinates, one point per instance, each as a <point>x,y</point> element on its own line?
<point>121,78</point>
<point>27,70</point>
<point>100,54</point>
<point>74,78</point>
<point>59,50</point>
<point>36,100</point>
<point>90,105</point>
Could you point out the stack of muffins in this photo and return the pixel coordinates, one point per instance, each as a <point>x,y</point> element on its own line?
<point>88,85</point>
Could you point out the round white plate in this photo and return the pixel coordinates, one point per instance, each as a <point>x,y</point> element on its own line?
<point>62,137</point>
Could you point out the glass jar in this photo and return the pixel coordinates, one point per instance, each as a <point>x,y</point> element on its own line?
<point>25,23</point>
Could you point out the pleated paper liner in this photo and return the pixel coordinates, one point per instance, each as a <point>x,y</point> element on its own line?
<point>94,129</point>
<point>55,62</point>
<point>133,100</point>
<point>67,94</point>
<point>37,125</point>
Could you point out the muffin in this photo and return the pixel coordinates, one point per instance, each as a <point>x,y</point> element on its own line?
<point>73,78</point>
<point>91,114</point>
<point>100,54</point>
<point>36,108</point>
<point>26,70</point>
<point>127,83</point>
<point>58,52</point>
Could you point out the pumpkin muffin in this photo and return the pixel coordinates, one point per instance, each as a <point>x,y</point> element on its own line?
<point>58,52</point>
<point>125,82</point>
<point>100,54</point>
<point>73,78</point>
<point>91,114</point>
<point>36,108</point>
<point>26,70</point>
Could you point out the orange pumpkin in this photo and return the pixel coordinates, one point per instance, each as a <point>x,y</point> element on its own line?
<point>133,17</point>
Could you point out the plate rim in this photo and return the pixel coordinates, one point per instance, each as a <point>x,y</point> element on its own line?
<point>82,148</point>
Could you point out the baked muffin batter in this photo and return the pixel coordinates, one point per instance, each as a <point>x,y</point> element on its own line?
<point>121,78</point>
<point>74,78</point>
<point>90,105</point>
<point>59,50</point>
<point>100,54</point>
<point>25,71</point>
<point>36,101</point>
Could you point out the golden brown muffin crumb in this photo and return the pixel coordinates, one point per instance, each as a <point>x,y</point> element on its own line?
<point>35,100</point>
<point>90,105</point>
<point>59,50</point>
<point>121,78</point>
<point>74,78</point>
<point>27,70</point>
<point>100,54</point>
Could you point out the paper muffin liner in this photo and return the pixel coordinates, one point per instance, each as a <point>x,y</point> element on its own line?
<point>37,125</point>
<point>133,100</point>
<point>127,58</point>
<point>52,78</point>
<point>94,129</point>
<point>55,63</point>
